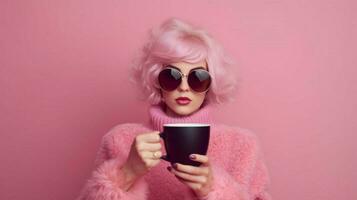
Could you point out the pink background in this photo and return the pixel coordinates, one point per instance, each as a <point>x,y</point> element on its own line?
<point>63,84</point>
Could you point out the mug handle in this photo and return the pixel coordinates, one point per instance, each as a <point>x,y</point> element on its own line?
<point>163,157</point>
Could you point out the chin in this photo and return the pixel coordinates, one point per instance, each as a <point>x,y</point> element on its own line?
<point>184,111</point>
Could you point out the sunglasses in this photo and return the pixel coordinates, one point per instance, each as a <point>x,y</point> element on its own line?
<point>170,78</point>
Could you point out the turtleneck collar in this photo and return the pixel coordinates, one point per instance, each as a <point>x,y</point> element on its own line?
<point>158,116</point>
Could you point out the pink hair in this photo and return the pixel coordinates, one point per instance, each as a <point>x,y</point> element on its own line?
<point>177,41</point>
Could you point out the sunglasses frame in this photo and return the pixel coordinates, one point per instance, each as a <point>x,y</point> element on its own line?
<point>186,75</point>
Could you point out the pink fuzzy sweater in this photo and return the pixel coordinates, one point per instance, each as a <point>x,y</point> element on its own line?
<point>238,167</point>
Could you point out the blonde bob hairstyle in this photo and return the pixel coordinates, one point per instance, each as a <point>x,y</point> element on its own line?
<point>178,41</point>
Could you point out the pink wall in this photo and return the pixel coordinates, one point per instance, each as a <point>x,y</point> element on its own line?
<point>63,84</point>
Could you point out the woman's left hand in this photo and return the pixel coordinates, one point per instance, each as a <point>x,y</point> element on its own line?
<point>199,179</point>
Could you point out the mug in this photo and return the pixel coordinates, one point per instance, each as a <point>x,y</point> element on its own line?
<point>182,140</point>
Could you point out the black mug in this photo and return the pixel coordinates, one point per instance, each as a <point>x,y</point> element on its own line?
<point>182,140</point>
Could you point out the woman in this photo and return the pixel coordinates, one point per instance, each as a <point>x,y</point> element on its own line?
<point>182,74</point>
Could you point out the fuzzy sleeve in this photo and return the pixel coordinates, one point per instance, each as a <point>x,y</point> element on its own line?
<point>104,181</point>
<point>259,179</point>
<point>246,179</point>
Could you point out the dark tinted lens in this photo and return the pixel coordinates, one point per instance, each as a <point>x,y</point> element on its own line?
<point>169,79</point>
<point>199,80</point>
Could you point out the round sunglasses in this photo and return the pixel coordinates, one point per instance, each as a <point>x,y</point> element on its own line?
<point>170,78</point>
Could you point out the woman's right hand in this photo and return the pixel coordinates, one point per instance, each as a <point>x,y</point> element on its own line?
<point>144,154</point>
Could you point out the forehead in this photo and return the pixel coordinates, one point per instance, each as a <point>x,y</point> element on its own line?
<point>186,67</point>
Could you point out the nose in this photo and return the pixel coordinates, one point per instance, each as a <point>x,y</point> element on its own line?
<point>184,85</point>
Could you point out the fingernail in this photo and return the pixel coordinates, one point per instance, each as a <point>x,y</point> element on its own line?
<point>169,168</point>
<point>175,165</point>
<point>192,156</point>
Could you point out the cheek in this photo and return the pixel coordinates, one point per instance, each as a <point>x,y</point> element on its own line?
<point>200,97</point>
<point>167,96</point>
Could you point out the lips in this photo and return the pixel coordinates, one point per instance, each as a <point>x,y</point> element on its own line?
<point>183,100</point>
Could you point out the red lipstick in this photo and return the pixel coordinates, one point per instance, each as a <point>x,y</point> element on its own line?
<point>183,100</point>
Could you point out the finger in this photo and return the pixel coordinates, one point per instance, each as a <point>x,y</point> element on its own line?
<point>200,158</point>
<point>157,155</point>
<point>148,146</point>
<point>156,162</point>
<point>149,163</point>
<point>152,137</point>
<point>192,169</point>
<point>192,185</point>
<point>189,177</point>
<point>151,155</point>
